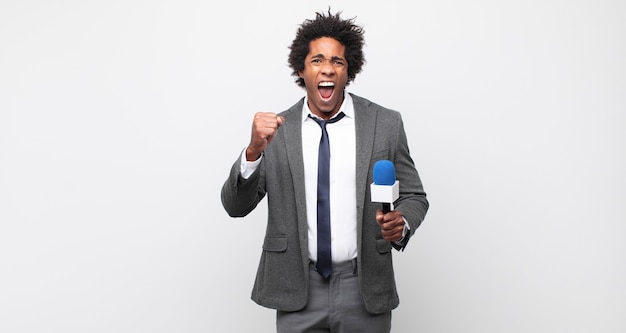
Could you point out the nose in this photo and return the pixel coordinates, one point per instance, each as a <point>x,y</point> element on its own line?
<point>327,67</point>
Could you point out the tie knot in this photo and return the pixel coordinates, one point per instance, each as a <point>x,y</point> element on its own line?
<point>323,122</point>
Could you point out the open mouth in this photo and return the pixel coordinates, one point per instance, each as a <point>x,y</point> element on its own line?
<point>326,89</point>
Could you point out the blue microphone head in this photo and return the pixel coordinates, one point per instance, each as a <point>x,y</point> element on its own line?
<point>384,173</point>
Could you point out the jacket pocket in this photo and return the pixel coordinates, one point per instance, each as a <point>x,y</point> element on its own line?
<point>383,246</point>
<point>275,244</point>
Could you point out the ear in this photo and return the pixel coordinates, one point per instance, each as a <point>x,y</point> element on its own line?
<point>300,74</point>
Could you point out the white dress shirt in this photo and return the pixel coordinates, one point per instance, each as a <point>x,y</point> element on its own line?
<point>342,142</point>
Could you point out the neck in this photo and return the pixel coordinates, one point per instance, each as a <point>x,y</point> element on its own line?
<point>325,114</point>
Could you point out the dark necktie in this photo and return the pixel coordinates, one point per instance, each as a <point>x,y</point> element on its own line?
<point>324,258</point>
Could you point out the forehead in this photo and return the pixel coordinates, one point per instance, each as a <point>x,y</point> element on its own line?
<point>327,47</point>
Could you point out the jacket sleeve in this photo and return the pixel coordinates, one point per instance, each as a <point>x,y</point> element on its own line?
<point>239,195</point>
<point>412,201</point>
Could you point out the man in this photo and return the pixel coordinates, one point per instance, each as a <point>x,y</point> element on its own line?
<point>326,263</point>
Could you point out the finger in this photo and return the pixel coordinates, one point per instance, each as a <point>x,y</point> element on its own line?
<point>393,225</point>
<point>392,236</point>
<point>388,227</point>
<point>272,122</point>
<point>380,217</point>
<point>394,232</point>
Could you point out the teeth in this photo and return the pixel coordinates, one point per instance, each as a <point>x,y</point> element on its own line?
<point>326,84</point>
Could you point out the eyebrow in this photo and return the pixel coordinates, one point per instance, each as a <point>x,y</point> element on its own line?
<point>319,55</point>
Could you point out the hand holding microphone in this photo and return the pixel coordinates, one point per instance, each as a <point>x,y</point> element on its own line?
<point>386,189</point>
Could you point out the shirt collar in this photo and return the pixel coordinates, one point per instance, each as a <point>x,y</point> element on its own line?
<point>346,107</point>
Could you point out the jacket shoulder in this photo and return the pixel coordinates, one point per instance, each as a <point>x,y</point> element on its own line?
<point>364,105</point>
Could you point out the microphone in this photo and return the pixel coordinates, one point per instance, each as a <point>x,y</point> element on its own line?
<point>385,188</point>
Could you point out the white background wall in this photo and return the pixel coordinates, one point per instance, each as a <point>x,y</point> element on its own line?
<point>119,121</point>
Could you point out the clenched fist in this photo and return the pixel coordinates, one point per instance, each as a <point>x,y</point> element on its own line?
<point>264,127</point>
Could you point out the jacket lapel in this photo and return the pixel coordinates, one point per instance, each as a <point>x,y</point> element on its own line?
<point>292,129</point>
<point>365,125</point>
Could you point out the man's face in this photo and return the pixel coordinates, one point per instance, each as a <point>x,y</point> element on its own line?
<point>325,75</point>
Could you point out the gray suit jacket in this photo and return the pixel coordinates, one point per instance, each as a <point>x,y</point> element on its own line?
<point>282,277</point>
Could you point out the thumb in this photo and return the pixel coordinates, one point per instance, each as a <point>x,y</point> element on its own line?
<point>379,216</point>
